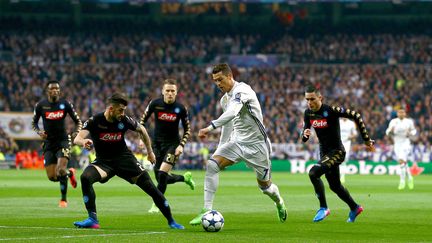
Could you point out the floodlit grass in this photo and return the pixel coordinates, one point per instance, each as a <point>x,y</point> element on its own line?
<point>29,212</point>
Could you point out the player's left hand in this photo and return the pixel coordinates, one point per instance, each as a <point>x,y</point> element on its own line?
<point>151,157</point>
<point>178,151</point>
<point>370,146</point>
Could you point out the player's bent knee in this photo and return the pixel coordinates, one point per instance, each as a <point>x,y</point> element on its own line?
<point>212,166</point>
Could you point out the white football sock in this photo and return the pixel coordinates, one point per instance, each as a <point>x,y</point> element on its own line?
<point>211,183</point>
<point>273,192</point>
<point>408,172</point>
<point>403,171</point>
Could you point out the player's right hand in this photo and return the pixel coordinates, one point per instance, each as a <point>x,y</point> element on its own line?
<point>43,134</point>
<point>306,133</point>
<point>88,144</point>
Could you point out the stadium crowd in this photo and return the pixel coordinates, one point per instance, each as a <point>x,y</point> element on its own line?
<point>39,48</point>
<point>92,67</point>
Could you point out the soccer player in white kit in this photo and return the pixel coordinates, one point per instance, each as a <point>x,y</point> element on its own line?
<point>243,138</point>
<point>401,129</point>
<point>348,132</point>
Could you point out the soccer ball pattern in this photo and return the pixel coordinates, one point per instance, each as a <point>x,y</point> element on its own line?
<point>212,221</point>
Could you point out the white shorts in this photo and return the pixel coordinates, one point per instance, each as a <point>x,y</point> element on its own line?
<point>256,156</point>
<point>402,151</point>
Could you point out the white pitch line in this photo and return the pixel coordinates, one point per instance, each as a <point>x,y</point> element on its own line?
<point>59,228</point>
<point>81,236</point>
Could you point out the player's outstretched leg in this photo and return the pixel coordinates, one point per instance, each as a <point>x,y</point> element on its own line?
<point>354,213</point>
<point>321,214</point>
<point>146,184</point>
<point>188,180</point>
<point>197,219</point>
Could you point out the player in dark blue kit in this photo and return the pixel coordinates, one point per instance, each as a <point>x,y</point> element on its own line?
<point>57,143</point>
<point>107,132</point>
<point>325,121</point>
<point>168,146</point>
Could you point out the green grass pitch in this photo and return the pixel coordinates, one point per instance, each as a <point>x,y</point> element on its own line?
<point>29,212</point>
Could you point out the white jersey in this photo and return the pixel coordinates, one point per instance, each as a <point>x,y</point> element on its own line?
<point>347,130</point>
<point>401,130</point>
<point>242,111</point>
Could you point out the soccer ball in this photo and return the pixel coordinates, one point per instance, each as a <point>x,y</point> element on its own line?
<point>212,221</point>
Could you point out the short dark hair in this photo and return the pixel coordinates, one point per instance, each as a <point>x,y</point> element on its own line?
<point>312,89</point>
<point>170,81</point>
<point>51,82</point>
<point>222,67</point>
<point>117,99</point>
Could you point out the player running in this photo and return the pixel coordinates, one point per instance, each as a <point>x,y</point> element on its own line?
<point>57,143</point>
<point>325,121</point>
<point>242,115</point>
<point>107,132</point>
<point>401,129</point>
<point>168,147</point>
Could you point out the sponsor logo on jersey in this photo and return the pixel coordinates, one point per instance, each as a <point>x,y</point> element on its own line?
<point>54,115</point>
<point>320,123</point>
<point>167,116</point>
<point>110,136</point>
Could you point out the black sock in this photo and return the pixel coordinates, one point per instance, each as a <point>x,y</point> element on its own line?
<point>89,176</point>
<point>314,175</point>
<point>162,181</point>
<point>342,192</point>
<point>146,184</point>
<point>173,178</point>
<point>63,187</point>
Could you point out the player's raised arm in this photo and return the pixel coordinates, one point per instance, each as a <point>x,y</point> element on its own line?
<point>357,118</point>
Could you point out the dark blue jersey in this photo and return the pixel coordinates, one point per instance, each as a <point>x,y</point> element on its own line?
<point>167,118</point>
<point>53,116</point>
<point>325,122</point>
<point>108,137</point>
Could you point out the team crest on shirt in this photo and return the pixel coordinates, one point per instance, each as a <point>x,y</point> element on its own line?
<point>237,97</point>
<point>177,110</point>
<point>62,106</point>
<point>120,125</point>
<point>325,114</point>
